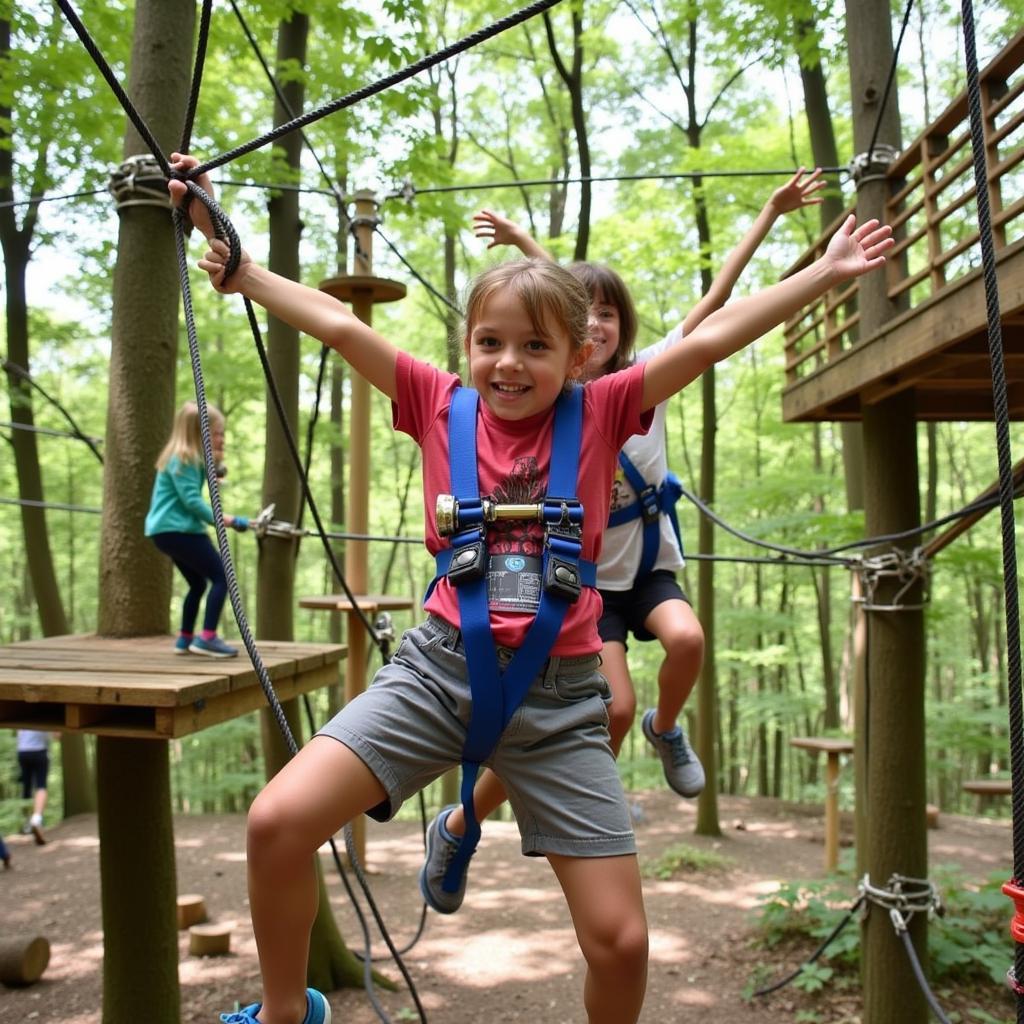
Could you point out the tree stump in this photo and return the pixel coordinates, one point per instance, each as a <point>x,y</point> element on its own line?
<point>210,939</point>
<point>191,910</point>
<point>22,961</point>
<point>931,815</point>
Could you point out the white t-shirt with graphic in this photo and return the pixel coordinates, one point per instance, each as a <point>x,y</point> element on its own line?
<point>623,544</point>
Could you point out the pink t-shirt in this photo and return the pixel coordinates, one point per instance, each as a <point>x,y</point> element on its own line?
<point>513,458</point>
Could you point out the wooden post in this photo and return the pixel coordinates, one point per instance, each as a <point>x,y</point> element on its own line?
<point>890,736</point>
<point>362,290</point>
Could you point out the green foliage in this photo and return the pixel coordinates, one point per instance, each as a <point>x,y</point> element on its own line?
<point>681,858</point>
<point>967,942</point>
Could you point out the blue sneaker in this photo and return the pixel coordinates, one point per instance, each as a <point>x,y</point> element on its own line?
<point>181,644</point>
<point>318,1011</point>
<point>212,648</point>
<point>683,771</point>
<point>441,847</point>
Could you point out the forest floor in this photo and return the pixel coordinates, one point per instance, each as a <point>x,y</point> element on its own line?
<point>510,954</point>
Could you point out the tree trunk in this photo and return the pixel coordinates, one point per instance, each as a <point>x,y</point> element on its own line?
<point>573,80</point>
<point>140,936</point>
<point>140,980</point>
<point>890,752</point>
<point>135,579</point>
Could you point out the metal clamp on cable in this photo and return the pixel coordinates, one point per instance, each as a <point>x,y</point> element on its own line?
<point>907,568</point>
<point>873,165</point>
<point>139,181</point>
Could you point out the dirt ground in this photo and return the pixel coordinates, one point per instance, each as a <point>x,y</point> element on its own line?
<point>510,954</point>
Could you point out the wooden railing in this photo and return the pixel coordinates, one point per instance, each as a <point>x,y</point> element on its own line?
<point>933,212</point>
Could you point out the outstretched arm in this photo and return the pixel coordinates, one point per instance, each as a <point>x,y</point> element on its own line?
<point>502,231</point>
<point>851,252</point>
<point>794,195</point>
<point>306,309</point>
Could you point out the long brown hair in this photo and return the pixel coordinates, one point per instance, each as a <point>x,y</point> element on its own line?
<point>604,285</point>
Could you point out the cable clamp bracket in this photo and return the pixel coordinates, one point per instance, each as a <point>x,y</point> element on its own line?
<point>872,165</point>
<point>906,568</point>
<point>139,181</point>
<point>903,897</point>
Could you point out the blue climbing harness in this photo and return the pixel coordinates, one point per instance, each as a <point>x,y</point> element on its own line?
<point>653,501</point>
<point>495,694</point>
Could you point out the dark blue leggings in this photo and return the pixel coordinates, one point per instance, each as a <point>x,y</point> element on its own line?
<point>198,561</point>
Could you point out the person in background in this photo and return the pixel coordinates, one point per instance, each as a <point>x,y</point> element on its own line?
<point>177,521</point>
<point>34,765</point>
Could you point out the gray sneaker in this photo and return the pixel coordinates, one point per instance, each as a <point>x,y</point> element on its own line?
<point>683,771</point>
<point>441,847</point>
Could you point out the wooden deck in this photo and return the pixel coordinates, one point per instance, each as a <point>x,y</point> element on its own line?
<point>937,346</point>
<point>137,688</point>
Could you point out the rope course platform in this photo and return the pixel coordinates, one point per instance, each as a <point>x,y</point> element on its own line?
<point>833,747</point>
<point>138,688</point>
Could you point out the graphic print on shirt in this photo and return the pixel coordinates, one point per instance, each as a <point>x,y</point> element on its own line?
<point>622,493</point>
<point>514,572</point>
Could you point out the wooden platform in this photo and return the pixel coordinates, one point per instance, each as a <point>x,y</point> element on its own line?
<point>365,602</point>
<point>137,688</point>
<point>937,347</point>
<point>988,787</point>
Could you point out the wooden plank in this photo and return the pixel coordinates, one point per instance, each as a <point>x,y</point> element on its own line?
<point>366,602</point>
<point>956,313</point>
<point>826,744</point>
<point>47,684</point>
<point>988,787</point>
<point>182,721</point>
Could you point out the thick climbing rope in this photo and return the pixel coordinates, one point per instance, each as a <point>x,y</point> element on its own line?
<point>432,60</point>
<point>1005,463</point>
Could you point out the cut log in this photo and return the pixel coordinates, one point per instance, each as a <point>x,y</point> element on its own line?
<point>22,961</point>
<point>191,910</point>
<point>931,815</point>
<point>210,939</point>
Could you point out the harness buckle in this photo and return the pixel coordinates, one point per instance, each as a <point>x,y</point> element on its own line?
<point>563,542</point>
<point>650,505</point>
<point>469,561</point>
<point>562,578</point>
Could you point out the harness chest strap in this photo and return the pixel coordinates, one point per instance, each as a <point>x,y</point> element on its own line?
<point>495,694</point>
<point>653,501</point>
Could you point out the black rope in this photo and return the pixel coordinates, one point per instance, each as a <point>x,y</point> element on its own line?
<point>111,79</point>
<point>197,76</point>
<point>36,200</point>
<point>57,505</point>
<point>922,981</point>
<point>1002,421</point>
<point>283,100</point>
<point>829,556</point>
<point>293,450</point>
<point>473,39</point>
<point>416,274</point>
<point>832,935</point>
<point>888,82</point>
<point>49,432</point>
<point>409,191</point>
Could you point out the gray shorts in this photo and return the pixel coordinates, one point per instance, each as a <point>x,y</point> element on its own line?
<point>554,757</point>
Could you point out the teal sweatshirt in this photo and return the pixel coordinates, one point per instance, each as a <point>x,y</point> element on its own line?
<point>177,505</point>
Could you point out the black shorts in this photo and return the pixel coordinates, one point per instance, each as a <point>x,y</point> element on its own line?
<point>626,611</point>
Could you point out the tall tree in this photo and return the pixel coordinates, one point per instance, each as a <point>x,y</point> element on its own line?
<point>38,122</point>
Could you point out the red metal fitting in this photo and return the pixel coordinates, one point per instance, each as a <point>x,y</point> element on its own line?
<point>1016,893</point>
